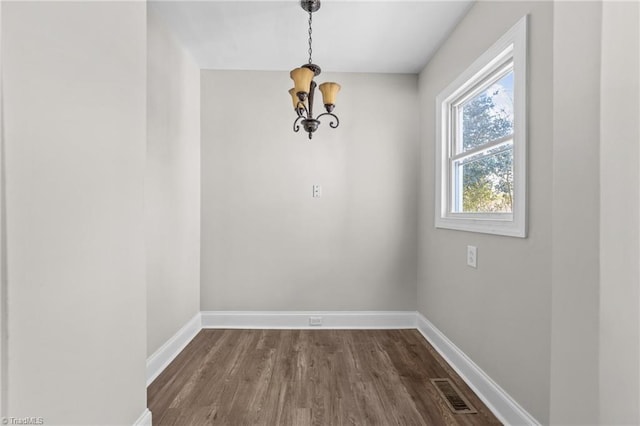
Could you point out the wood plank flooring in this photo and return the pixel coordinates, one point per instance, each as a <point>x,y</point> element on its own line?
<point>307,377</point>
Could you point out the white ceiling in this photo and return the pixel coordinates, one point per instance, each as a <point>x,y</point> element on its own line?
<point>390,36</point>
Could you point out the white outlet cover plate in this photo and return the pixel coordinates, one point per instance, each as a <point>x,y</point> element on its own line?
<point>472,256</point>
<point>317,321</point>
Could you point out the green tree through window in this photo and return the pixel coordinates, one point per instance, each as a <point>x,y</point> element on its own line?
<point>487,178</point>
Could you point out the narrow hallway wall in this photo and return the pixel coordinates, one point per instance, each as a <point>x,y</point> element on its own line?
<point>172,185</point>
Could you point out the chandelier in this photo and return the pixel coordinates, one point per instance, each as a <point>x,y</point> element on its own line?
<point>303,92</point>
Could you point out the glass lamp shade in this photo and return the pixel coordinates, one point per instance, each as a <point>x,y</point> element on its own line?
<point>302,79</point>
<point>294,98</point>
<point>329,92</point>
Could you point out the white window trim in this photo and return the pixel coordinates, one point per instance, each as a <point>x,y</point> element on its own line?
<point>509,224</point>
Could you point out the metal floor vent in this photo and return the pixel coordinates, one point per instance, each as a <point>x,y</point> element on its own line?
<point>453,397</point>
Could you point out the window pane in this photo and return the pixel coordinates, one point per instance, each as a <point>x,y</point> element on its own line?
<point>489,115</point>
<point>485,184</point>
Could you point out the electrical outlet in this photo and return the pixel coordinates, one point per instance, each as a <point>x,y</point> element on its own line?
<point>317,191</point>
<point>472,256</point>
<point>315,321</point>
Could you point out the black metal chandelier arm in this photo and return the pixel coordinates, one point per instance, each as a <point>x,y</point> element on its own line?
<point>301,109</point>
<point>331,123</point>
<point>296,126</point>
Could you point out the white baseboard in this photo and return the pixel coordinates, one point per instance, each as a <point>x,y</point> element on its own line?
<point>144,419</point>
<point>159,360</point>
<point>300,319</point>
<point>506,409</point>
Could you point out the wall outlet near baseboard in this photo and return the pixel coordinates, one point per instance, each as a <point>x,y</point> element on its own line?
<point>315,321</point>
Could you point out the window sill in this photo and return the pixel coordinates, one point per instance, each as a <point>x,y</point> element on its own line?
<point>505,227</point>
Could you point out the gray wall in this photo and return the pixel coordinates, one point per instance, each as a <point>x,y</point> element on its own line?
<point>575,212</point>
<point>172,186</point>
<point>74,111</point>
<point>266,243</point>
<point>620,215</point>
<point>500,313</point>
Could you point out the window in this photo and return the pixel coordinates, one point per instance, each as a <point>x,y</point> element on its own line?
<point>481,142</point>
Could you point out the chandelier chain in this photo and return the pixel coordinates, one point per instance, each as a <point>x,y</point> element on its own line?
<point>310,39</point>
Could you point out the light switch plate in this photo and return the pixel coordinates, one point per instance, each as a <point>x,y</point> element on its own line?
<point>317,191</point>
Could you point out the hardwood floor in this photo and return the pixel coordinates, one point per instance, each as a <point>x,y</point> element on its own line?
<point>307,377</point>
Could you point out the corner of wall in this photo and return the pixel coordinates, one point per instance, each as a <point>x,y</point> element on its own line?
<point>172,184</point>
